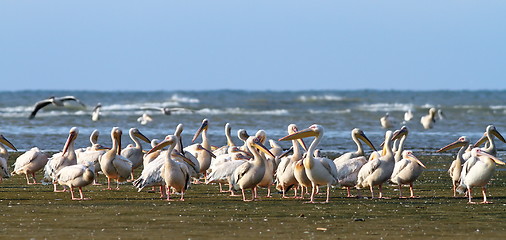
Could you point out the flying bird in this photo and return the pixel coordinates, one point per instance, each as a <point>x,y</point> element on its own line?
<point>165,110</point>
<point>56,101</point>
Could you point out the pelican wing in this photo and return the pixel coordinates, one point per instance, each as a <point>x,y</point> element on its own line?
<point>72,98</point>
<point>26,158</point>
<point>38,106</point>
<point>350,166</point>
<point>399,166</point>
<point>329,165</point>
<point>151,174</point>
<point>223,171</point>
<point>69,173</point>
<point>123,166</point>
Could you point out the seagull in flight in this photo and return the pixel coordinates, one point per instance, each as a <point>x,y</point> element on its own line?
<point>56,101</point>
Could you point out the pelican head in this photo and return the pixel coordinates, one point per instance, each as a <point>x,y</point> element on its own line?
<point>203,126</point>
<point>7,143</point>
<point>261,135</point>
<point>256,142</point>
<point>409,155</point>
<point>200,147</point>
<point>116,136</point>
<point>242,134</point>
<point>476,152</point>
<point>170,140</point>
<point>462,141</point>
<point>312,131</point>
<point>361,135</point>
<point>138,134</point>
<point>179,129</point>
<point>71,138</point>
<point>94,136</point>
<point>292,128</point>
<point>490,130</point>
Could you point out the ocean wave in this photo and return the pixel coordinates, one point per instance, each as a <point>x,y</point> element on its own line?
<point>183,99</point>
<point>240,111</point>
<point>329,111</point>
<point>317,98</point>
<point>385,107</point>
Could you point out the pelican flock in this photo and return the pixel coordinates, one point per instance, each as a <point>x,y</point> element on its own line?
<point>251,165</point>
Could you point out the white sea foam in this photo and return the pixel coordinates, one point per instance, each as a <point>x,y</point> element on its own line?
<point>240,111</point>
<point>183,99</point>
<point>315,98</point>
<point>329,111</point>
<point>385,107</point>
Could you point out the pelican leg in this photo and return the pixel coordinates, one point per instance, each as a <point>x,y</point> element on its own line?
<point>469,196</point>
<point>108,184</point>
<point>117,185</point>
<point>372,191</point>
<point>484,190</point>
<point>182,195</point>
<point>348,192</point>
<point>244,195</point>
<point>34,180</point>
<point>454,189</point>
<point>72,194</point>
<point>168,193</point>
<point>82,195</point>
<point>400,191</point>
<point>56,190</point>
<point>268,191</point>
<point>27,180</point>
<point>313,192</point>
<point>412,192</point>
<point>328,194</point>
<point>381,192</point>
<point>163,192</point>
<point>284,192</point>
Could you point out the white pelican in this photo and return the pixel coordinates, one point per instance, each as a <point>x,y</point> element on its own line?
<point>456,166</point>
<point>151,175</point>
<point>489,134</point>
<point>386,122</point>
<point>348,164</point>
<point>95,114</point>
<point>243,136</point>
<point>179,152</point>
<point>477,172</point>
<point>406,171</point>
<point>285,178</point>
<point>440,114</point>
<point>30,162</point>
<point>175,174</point>
<point>56,101</point>
<point>4,156</point>
<point>79,175</point>
<point>92,154</point>
<point>249,174</point>
<point>268,178</point>
<point>408,115</point>
<point>428,120</point>
<point>113,165</point>
<point>321,171</point>
<point>134,153</point>
<point>204,156</point>
<point>144,119</point>
<point>60,160</point>
<point>377,171</point>
<point>230,143</point>
<point>222,174</point>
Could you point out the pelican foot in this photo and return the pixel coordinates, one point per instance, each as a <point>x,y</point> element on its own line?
<point>486,202</point>
<point>415,197</point>
<point>312,202</point>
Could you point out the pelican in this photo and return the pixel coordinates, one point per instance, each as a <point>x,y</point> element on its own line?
<point>165,110</point>
<point>428,120</point>
<point>179,152</point>
<point>4,156</point>
<point>144,119</point>
<point>268,178</point>
<point>134,153</point>
<point>377,171</point>
<point>95,114</point>
<point>321,171</point>
<point>113,165</point>
<point>56,101</point>
<point>285,178</point>
<point>175,174</point>
<point>489,134</point>
<point>222,174</point>
<point>243,136</point>
<point>386,122</point>
<point>203,156</point>
<point>91,154</point>
<point>60,160</point>
<point>348,164</point>
<point>477,172</point>
<point>406,171</point>
<point>79,175</point>
<point>30,162</point>
<point>249,174</point>
<point>440,114</point>
<point>456,166</point>
<point>408,115</point>
<point>230,143</point>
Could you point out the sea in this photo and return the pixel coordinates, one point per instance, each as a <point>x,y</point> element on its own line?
<point>465,113</point>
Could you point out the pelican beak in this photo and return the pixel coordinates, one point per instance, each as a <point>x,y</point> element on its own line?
<point>495,159</point>
<point>167,141</point>
<point>101,148</point>
<point>400,133</point>
<point>7,143</point>
<point>366,140</point>
<point>202,127</point>
<point>412,157</point>
<point>258,144</point>
<point>452,145</point>
<point>118,138</point>
<point>70,139</point>
<point>284,154</point>
<point>308,132</point>
<point>207,150</point>
<point>142,137</point>
<point>482,140</point>
<point>498,135</point>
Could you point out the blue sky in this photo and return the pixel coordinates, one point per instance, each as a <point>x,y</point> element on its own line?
<point>252,45</point>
